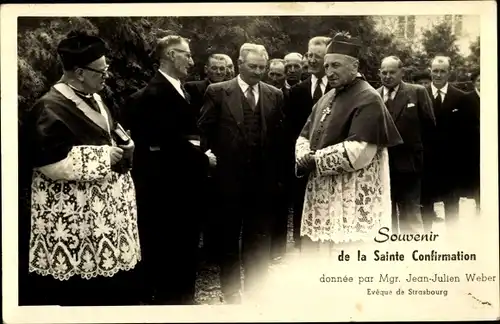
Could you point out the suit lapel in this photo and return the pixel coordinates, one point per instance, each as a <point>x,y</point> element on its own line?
<point>399,102</point>
<point>264,98</point>
<point>234,102</point>
<point>163,82</point>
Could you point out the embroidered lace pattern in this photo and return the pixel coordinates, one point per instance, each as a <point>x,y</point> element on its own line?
<point>84,227</point>
<point>345,206</point>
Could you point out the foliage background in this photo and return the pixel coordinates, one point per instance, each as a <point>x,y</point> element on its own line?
<point>131,40</point>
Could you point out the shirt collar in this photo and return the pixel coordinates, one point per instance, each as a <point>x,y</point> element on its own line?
<point>443,90</point>
<point>477,91</point>
<point>175,82</point>
<point>287,85</point>
<point>314,79</point>
<point>386,90</point>
<point>244,86</point>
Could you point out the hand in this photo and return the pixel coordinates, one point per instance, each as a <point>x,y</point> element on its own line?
<point>115,154</point>
<point>306,162</point>
<point>129,147</point>
<point>212,159</point>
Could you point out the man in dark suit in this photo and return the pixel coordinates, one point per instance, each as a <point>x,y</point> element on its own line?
<point>169,167</point>
<point>215,71</point>
<point>444,160</point>
<point>277,78</point>
<point>472,161</point>
<point>303,97</point>
<point>411,109</point>
<point>241,123</point>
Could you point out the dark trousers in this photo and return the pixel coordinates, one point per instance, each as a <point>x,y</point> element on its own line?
<point>209,227</point>
<point>280,225</point>
<point>405,196</point>
<point>169,234</point>
<point>252,218</point>
<point>121,289</point>
<point>299,191</point>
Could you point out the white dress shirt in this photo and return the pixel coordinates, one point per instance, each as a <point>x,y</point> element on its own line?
<point>443,90</point>
<point>244,87</point>
<point>175,82</point>
<point>386,93</point>
<point>314,80</point>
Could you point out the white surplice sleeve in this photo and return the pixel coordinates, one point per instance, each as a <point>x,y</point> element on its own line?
<point>83,163</point>
<point>302,147</point>
<point>343,157</point>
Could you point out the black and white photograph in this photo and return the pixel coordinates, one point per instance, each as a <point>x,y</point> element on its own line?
<point>291,161</point>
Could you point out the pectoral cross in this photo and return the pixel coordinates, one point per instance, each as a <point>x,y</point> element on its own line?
<point>326,112</point>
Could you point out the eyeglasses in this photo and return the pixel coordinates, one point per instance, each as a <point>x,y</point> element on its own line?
<point>188,53</point>
<point>101,72</point>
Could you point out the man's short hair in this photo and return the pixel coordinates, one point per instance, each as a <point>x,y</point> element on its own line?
<point>276,61</point>
<point>320,40</point>
<point>395,58</point>
<point>442,59</point>
<point>166,42</point>
<point>252,48</point>
<point>289,55</point>
<point>227,58</point>
<point>217,57</point>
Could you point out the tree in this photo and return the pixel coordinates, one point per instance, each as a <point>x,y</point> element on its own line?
<point>439,40</point>
<point>474,58</point>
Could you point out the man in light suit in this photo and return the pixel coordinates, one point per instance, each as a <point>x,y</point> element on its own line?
<point>411,109</point>
<point>241,123</point>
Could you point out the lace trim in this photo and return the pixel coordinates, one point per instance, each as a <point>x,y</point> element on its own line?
<point>332,160</point>
<point>85,228</point>
<point>347,207</point>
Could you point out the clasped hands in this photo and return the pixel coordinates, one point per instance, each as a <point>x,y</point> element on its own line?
<point>306,162</point>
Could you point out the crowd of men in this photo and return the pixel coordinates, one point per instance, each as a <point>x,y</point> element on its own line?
<point>119,202</point>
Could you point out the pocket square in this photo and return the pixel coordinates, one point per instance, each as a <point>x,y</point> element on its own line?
<point>154,148</point>
<point>411,104</point>
<point>454,110</point>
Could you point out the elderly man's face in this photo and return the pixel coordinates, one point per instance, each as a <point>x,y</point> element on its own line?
<point>276,75</point>
<point>315,59</point>
<point>440,73</point>
<point>253,67</point>
<point>390,73</point>
<point>182,59</point>
<point>216,70</point>
<point>293,69</point>
<point>340,69</point>
<point>94,75</point>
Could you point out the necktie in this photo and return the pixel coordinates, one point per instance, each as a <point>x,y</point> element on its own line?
<point>438,101</point>
<point>251,98</point>
<point>186,94</point>
<point>389,101</point>
<point>317,92</point>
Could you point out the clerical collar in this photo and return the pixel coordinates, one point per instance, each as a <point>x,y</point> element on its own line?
<point>80,93</point>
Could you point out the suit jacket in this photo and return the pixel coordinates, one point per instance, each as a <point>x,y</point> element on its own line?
<point>414,118</point>
<point>300,106</point>
<point>446,151</point>
<point>222,128</point>
<point>196,90</point>
<point>166,163</point>
<point>472,112</point>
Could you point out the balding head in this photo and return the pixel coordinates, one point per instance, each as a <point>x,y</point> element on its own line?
<point>440,71</point>
<point>391,71</point>
<point>293,67</point>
